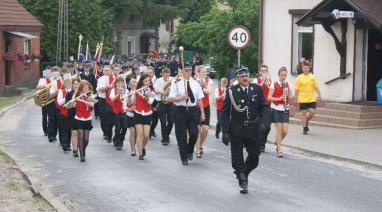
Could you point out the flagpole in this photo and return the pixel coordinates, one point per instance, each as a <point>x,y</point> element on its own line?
<point>79,47</point>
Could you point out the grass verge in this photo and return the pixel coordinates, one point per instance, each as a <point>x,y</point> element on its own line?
<point>7,101</point>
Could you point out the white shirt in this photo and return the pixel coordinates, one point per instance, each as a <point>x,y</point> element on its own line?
<point>177,89</point>
<point>129,101</point>
<point>217,92</point>
<point>42,82</point>
<point>102,82</point>
<point>210,83</point>
<point>159,85</point>
<point>54,86</point>
<point>274,106</point>
<point>61,98</point>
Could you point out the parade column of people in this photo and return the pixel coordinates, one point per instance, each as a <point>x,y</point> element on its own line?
<point>151,72</point>
<point>117,95</point>
<point>129,107</point>
<point>185,93</point>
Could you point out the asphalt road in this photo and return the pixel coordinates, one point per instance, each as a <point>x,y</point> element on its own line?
<point>111,180</point>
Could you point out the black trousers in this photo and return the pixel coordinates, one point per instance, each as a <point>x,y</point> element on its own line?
<point>120,124</point>
<point>97,109</point>
<point>154,122</point>
<point>218,124</point>
<point>44,111</point>
<point>166,119</point>
<point>264,135</point>
<point>101,106</point>
<point>64,131</point>
<point>109,121</point>
<point>52,121</point>
<point>186,121</point>
<point>237,146</point>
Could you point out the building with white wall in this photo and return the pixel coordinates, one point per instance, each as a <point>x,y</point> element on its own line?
<point>346,53</point>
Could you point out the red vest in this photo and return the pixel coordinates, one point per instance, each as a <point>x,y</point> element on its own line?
<point>117,104</point>
<point>141,104</point>
<point>59,84</point>
<point>265,90</point>
<point>47,80</point>
<point>108,100</point>
<point>219,103</point>
<point>63,111</point>
<point>278,92</point>
<point>206,98</point>
<point>82,110</point>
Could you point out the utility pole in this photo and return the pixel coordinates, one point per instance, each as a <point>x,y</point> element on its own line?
<point>62,32</point>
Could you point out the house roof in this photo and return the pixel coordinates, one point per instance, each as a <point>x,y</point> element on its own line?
<point>370,9</point>
<point>13,14</point>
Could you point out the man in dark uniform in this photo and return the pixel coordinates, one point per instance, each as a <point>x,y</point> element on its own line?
<point>242,122</point>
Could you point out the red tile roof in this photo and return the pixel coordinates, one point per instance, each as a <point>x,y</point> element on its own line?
<point>13,14</point>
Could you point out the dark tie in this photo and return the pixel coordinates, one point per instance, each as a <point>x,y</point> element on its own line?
<point>189,91</point>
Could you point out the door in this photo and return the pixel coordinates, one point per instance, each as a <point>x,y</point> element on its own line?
<point>374,66</point>
<point>8,46</point>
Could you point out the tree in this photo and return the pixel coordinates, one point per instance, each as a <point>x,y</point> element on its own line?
<point>192,10</point>
<point>86,17</point>
<point>210,32</point>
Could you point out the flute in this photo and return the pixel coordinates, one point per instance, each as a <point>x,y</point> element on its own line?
<point>74,99</point>
<point>133,92</point>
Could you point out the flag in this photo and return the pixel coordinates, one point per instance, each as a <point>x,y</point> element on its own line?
<point>96,53</point>
<point>98,57</point>
<point>112,60</point>
<point>88,56</point>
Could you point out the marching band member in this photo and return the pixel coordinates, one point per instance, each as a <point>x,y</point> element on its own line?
<point>63,126</point>
<point>185,93</point>
<point>52,108</point>
<point>151,72</point>
<point>220,93</point>
<point>129,106</point>
<point>84,105</point>
<point>103,86</point>
<point>143,113</point>
<point>117,95</point>
<point>165,106</point>
<point>279,94</point>
<point>88,75</point>
<point>71,107</point>
<point>264,81</point>
<point>206,84</point>
<point>44,83</point>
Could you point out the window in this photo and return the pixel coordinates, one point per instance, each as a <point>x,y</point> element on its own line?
<point>302,45</point>
<point>27,47</point>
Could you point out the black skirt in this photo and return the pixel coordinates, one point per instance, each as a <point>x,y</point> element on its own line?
<point>73,124</point>
<point>130,122</point>
<point>142,120</point>
<point>280,116</point>
<point>84,125</point>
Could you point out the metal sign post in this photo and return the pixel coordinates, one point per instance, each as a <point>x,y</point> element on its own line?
<point>238,38</point>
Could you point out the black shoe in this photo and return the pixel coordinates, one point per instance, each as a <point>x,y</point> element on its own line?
<point>305,131</point>
<point>143,152</point>
<point>119,148</point>
<point>82,160</point>
<point>243,183</point>
<point>190,156</point>
<point>51,140</point>
<point>141,157</point>
<point>185,162</point>
<point>307,128</point>
<point>109,140</point>
<point>217,136</point>
<point>152,134</point>
<point>75,154</point>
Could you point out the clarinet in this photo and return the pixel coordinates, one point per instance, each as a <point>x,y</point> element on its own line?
<point>285,94</point>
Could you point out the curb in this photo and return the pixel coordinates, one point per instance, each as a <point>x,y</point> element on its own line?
<point>334,157</point>
<point>37,187</point>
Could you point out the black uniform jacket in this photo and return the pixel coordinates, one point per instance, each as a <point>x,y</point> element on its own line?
<point>244,124</point>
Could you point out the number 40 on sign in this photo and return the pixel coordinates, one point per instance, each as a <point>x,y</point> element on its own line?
<point>238,38</point>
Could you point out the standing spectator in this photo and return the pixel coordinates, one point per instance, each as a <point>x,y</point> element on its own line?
<point>220,93</point>
<point>306,87</point>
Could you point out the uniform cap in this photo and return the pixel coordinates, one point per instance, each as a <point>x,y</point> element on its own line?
<point>241,72</point>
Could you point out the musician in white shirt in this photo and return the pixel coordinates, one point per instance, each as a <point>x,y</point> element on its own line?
<point>151,72</point>
<point>185,94</point>
<point>103,86</point>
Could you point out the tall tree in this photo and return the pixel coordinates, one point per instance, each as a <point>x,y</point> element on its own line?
<point>209,33</point>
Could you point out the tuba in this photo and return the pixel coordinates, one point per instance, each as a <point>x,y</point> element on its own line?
<point>42,97</point>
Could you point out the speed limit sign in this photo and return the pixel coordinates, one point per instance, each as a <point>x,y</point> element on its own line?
<point>239,37</point>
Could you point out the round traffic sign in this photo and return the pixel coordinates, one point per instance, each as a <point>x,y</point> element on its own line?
<point>239,37</point>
